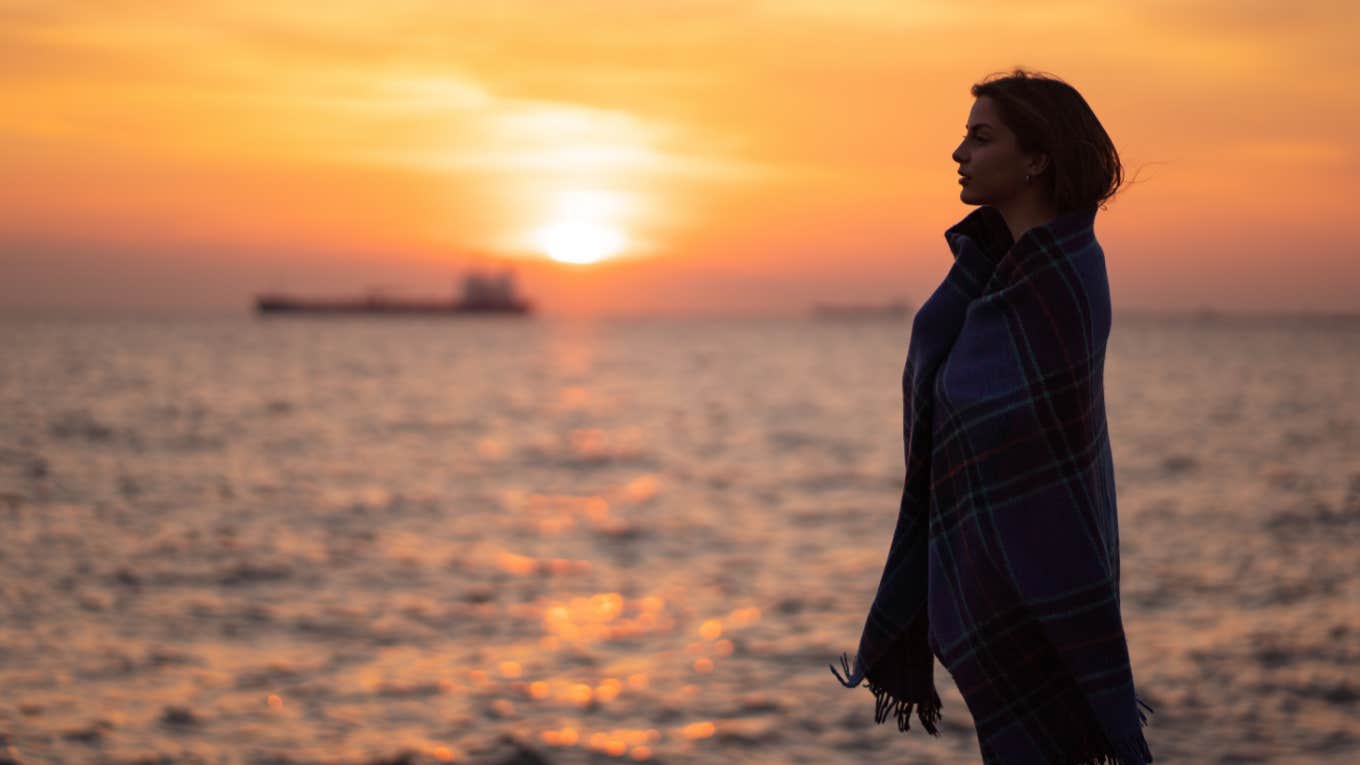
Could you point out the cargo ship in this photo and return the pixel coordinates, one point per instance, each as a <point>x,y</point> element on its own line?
<point>482,294</point>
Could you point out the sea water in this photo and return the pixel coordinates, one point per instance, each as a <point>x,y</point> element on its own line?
<point>245,540</point>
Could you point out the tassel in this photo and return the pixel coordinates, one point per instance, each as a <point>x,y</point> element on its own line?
<point>845,663</point>
<point>1097,749</point>
<point>1143,718</point>
<point>1130,751</point>
<point>886,705</point>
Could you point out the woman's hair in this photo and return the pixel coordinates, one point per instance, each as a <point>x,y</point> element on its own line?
<point>1049,116</point>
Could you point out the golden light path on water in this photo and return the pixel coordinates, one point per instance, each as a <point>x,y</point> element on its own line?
<point>571,625</point>
<point>659,646</point>
<point>362,542</point>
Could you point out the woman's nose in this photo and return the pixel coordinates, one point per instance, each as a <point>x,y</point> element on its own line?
<point>958,154</point>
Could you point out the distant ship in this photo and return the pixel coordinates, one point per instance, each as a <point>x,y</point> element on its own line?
<point>481,295</point>
<point>892,310</point>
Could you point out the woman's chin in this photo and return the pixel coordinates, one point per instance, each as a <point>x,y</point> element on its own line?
<point>974,197</point>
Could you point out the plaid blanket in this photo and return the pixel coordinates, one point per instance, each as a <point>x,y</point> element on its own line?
<point>1005,560</point>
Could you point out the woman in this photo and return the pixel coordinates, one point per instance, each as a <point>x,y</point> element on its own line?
<point>1005,560</point>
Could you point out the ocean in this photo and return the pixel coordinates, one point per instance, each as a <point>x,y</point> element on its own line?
<point>478,540</point>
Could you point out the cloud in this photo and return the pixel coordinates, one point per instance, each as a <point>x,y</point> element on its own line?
<point>777,124</point>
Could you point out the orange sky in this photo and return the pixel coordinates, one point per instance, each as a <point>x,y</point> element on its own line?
<point>169,157</point>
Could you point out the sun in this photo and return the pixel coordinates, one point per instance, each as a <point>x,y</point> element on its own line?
<point>579,241</point>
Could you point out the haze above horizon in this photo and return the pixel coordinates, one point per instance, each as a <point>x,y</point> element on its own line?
<point>631,159</point>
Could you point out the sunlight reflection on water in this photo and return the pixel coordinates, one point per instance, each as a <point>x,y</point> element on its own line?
<point>241,541</point>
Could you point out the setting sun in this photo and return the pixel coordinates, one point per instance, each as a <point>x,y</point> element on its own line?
<point>579,242</point>
<point>177,157</point>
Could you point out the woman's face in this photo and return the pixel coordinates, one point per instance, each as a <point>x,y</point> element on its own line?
<point>992,168</point>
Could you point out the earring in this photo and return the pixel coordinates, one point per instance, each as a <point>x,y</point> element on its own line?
<point>1026,179</point>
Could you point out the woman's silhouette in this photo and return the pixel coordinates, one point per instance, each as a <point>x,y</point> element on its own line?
<point>1005,560</point>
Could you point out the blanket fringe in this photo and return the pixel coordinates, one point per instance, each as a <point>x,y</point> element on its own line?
<point>848,680</point>
<point>1132,750</point>
<point>886,705</point>
<point>1143,718</point>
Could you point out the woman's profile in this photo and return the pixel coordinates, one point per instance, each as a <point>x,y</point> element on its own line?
<point>1004,563</point>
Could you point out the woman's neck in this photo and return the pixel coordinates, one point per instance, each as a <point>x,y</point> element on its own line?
<point>1026,211</point>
